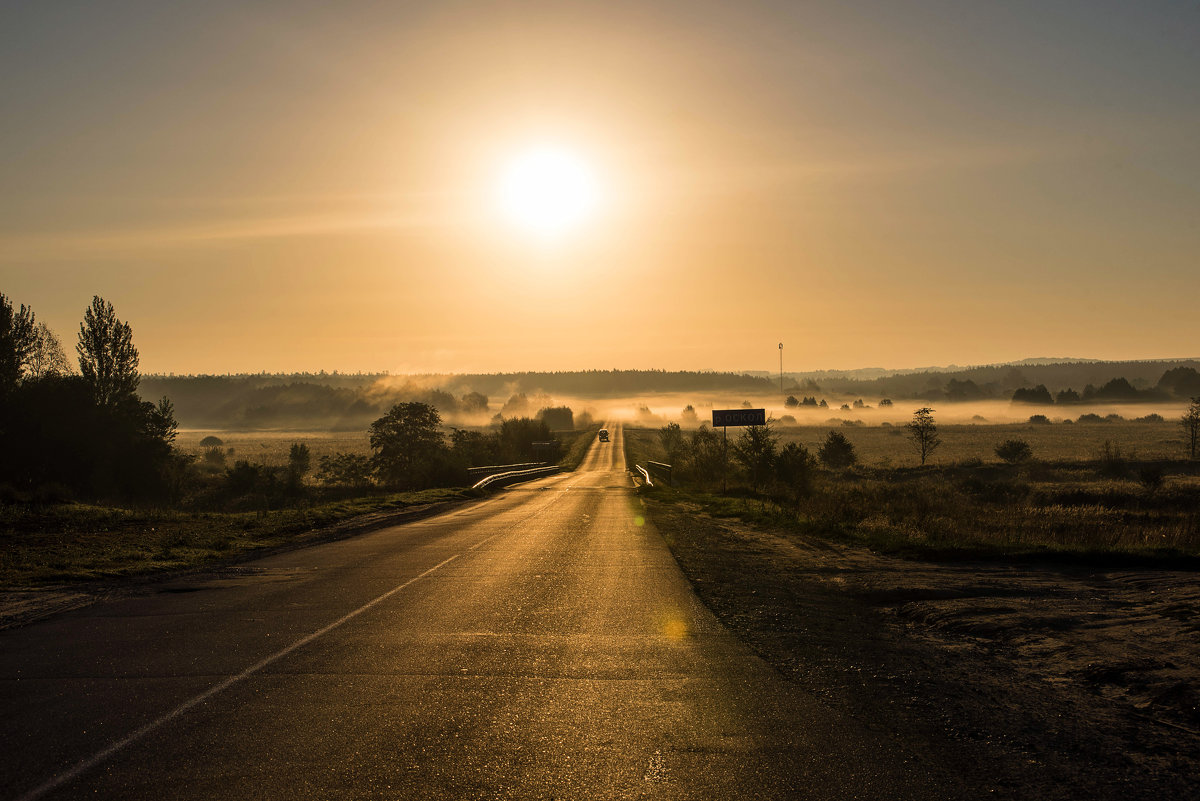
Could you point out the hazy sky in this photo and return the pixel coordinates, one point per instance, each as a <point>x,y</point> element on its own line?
<point>310,185</point>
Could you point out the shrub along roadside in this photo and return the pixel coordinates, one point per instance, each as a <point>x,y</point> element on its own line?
<point>75,542</point>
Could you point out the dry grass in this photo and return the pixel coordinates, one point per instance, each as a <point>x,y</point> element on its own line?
<point>78,542</point>
<point>1074,506</point>
<point>271,447</point>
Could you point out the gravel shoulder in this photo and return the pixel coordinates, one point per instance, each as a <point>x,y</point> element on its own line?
<point>1031,681</point>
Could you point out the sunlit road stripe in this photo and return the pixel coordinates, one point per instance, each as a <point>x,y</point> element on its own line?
<point>82,767</point>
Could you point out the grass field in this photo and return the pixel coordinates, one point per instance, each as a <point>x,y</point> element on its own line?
<point>889,446</point>
<point>79,542</point>
<point>271,447</point>
<point>1066,503</point>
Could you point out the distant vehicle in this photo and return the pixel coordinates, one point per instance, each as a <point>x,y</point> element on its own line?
<point>604,435</point>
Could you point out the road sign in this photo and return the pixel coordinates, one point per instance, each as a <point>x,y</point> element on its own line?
<point>739,417</point>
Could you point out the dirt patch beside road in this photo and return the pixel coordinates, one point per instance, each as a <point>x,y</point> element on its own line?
<point>1033,681</point>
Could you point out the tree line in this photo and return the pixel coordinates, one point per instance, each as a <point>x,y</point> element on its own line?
<point>82,432</point>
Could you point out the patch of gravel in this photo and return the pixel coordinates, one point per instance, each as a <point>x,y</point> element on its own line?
<point>1032,681</point>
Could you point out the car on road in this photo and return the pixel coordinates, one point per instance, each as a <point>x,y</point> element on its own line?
<point>604,435</point>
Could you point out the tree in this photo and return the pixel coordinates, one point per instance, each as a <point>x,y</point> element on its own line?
<point>837,452</point>
<point>923,433</point>
<point>1038,394</point>
<point>1014,451</point>
<point>794,469</point>
<point>558,418</point>
<point>299,461</point>
<point>1191,426</point>
<point>107,358</point>
<point>670,437</point>
<point>707,454</point>
<point>517,436</point>
<point>755,449</point>
<point>344,469</point>
<point>47,356</point>
<point>473,403</point>
<point>791,402</point>
<point>18,338</point>
<point>407,442</point>
<point>1183,382</point>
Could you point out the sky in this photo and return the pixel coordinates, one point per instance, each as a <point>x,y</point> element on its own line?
<point>304,186</point>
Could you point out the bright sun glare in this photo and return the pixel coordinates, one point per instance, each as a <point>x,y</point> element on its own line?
<point>547,192</point>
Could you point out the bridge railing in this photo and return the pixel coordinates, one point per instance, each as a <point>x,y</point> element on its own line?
<point>491,470</point>
<point>497,480</point>
<point>660,471</point>
<point>645,474</point>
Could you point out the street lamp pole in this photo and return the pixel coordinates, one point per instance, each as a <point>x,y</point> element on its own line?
<point>781,368</point>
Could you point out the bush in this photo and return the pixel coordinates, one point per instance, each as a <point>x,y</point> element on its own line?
<point>1040,419</point>
<point>1151,476</point>
<point>1113,463</point>
<point>837,452</point>
<point>1014,451</point>
<point>214,457</point>
<point>558,418</point>
<point>344,470</point>
<point>794,469</point>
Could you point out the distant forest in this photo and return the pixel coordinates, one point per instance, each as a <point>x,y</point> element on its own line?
<point>349,401</point>
<point>1152,380</point>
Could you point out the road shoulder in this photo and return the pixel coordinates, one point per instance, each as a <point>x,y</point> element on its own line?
<point>1033,681</point>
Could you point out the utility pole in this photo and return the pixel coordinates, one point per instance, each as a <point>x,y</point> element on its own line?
<point>781,369</point>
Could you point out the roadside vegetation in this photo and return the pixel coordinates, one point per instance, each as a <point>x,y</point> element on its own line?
<point>1022,500</point>
<point>59,543</point>
<point>96,484</point>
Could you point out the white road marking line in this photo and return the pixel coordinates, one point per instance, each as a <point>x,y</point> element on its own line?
<point>82,767</point>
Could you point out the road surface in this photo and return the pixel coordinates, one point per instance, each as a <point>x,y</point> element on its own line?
<point>538,644</point>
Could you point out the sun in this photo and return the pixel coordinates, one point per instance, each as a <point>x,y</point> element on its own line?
<point>547,192</point>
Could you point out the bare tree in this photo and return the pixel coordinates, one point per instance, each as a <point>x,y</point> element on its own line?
<point>107,357</point>
<point>1191,426</point>
<point>47,356</point>
<point>923,433</point>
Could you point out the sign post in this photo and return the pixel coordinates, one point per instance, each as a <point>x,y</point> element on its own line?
<point>734,417</point>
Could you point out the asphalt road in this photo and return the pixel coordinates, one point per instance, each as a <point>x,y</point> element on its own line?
<point>538,644</point>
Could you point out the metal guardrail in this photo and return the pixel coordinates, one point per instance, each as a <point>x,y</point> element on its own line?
<point>663,471</point>
<point>645,475</point>
<point>491,470</point>
<point>516,476</point>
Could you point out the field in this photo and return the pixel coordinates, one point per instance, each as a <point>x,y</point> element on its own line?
<point>888,446</point>
<point>271,447</point>
<point>1073,501</point>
